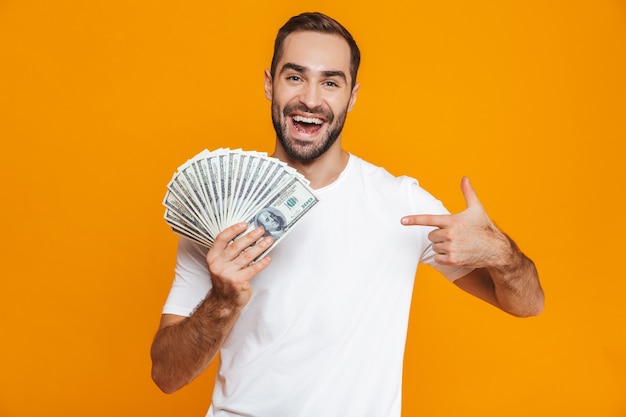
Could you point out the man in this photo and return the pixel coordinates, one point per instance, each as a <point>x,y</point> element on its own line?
<point>319,327</point>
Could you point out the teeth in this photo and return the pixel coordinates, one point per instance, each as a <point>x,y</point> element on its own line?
<point>303,119</point>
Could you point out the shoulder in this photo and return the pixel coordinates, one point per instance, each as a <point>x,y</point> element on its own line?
<point>378,173</point>
<point>382,177</point>
<point>394,187</point>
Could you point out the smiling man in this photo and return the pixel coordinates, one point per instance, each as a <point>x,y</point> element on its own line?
<point>319,328</point>
<point>311,94</point>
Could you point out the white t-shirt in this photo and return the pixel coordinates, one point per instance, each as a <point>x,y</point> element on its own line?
<point>325,329</point>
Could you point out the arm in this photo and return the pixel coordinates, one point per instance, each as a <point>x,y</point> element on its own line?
<point>502,276</point>
<point>514,288</point>
<point>184,347</point>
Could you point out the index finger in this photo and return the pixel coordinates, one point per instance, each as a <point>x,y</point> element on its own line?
<point>224,237</point>
<point>435,220</point>
<point>230,242</point>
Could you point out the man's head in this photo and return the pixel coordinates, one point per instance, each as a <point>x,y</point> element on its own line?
<point>316,22</point>
<point>312,84</point>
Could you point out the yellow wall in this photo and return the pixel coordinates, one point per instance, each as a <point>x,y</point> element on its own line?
<point>100,101</point>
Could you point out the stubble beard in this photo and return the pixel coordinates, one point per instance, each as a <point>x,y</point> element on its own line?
<point>301,150</point>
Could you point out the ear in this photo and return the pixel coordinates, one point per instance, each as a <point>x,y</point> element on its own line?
<point>353,95</point>
<point>268,85</point>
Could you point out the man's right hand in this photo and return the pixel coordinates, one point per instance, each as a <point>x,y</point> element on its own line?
<point>230,264</point>
<point>184,346</point>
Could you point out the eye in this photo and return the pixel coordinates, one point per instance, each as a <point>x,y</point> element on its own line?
<point>331,84</point>
<point>294,78</point>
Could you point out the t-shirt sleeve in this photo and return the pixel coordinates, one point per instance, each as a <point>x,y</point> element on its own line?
<point>422,202</point>
<point>192,281</point>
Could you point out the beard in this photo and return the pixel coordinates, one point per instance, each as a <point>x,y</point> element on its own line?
<point>300,150</point>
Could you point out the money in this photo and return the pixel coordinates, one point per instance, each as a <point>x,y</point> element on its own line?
<point>216,189</point>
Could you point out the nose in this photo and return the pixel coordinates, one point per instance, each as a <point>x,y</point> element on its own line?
<point>311,95</point>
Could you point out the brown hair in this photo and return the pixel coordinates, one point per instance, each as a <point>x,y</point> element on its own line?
<point>316,22</point>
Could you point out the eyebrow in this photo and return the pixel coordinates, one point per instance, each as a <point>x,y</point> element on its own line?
<point>304,70</point>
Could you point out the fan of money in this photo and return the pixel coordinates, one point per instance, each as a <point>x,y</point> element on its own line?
<point>216,189</point>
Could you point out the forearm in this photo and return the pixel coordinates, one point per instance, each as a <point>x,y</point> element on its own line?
<point>182,351</point>
<point>516,282</point>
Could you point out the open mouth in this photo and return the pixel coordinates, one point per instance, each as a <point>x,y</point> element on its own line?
<point>308,125</point>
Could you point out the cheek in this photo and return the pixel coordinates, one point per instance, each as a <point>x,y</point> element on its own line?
<point>341,104</point>
<point>281,103</point>
<point>284,94</point>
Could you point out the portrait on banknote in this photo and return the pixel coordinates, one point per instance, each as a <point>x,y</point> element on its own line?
<point>272,220</point>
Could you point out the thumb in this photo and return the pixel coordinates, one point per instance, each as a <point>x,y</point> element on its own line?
<point>471,199</point>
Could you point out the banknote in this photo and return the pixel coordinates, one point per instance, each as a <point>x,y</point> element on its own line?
<point>282,210</point>
<point>216,189</point>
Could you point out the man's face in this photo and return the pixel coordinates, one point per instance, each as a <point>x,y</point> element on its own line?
<point>311,93</point>
<point>269,221</point>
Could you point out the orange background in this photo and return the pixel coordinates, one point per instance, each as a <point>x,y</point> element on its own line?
<point>100,101</point>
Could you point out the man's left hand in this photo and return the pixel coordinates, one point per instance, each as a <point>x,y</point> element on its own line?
<point>469,238</point>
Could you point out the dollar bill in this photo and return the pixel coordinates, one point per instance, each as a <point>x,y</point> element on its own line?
<point>282,210</point>
<point>215,189</point>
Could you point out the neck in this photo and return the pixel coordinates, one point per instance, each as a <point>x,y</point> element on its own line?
<point>321,171</point>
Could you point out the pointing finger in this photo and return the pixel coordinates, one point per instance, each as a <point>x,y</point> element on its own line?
<point>436,220</point>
